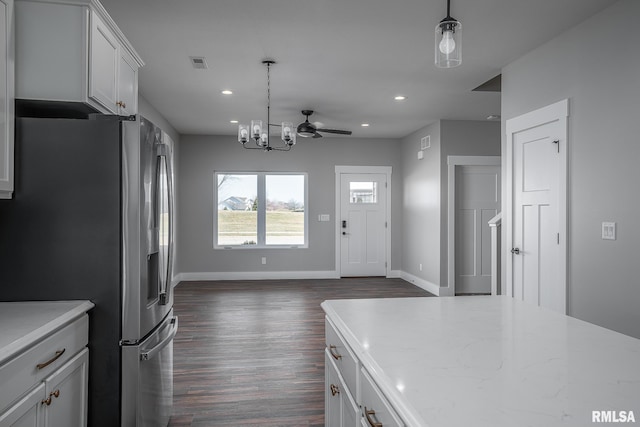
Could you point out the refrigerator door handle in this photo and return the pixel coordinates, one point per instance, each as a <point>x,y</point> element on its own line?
<point>152,352</point>
<point>164,174</point>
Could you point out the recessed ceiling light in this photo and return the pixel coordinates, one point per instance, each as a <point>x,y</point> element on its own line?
<point>400,98</point>
<point>233,121</point>
<point>365,125</point>
<point>227,92</point>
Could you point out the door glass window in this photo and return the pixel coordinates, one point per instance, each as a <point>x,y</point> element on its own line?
<point>363,192</point>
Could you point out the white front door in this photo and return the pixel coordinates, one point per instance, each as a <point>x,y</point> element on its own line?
<point>363,224</point>
<point>477,201</point>
<point>537,239</point>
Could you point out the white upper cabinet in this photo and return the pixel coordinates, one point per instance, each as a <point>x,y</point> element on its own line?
<point>6,98</point>
<point>104,60</point>
<point>74,52</point>
<point>127,85</point>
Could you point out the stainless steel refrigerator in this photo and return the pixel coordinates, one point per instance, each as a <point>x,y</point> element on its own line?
<point>92,218</point>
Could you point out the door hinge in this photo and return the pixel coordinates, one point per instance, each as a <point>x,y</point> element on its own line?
<point>557,142</point>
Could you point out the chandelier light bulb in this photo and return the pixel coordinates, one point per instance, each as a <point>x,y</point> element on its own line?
<point>447,44</point>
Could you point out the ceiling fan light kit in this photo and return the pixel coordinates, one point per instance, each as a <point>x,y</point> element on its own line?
<point>259,133</point>
<point>448,41</point>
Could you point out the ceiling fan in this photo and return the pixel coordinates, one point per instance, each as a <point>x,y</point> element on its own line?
<point>308,129</point>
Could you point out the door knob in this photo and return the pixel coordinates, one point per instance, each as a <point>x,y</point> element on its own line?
<point>515,251</point>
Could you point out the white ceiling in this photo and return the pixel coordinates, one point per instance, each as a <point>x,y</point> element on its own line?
<point>345,59</point>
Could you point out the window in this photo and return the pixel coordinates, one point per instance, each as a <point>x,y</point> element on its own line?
<point>259,209</point>
<point>363,192</point>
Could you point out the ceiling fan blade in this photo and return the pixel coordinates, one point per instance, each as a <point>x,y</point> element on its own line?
<point>317,135</point>
<point>338,131</point>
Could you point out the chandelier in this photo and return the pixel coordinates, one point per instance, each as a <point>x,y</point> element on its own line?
<point>259,132</point>
<point>448,41</point>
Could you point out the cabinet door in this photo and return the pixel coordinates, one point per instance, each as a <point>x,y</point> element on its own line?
<point>66,393</point>
<point>104,57</point>
<point>332,401</point>
<point>6,98</point>
<point>127,85</point>
<point>27,412</point>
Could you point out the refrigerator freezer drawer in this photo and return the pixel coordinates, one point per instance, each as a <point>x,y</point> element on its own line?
<point>147,378</point>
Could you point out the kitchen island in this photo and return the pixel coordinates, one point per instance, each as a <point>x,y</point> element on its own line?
<point>476,361</point>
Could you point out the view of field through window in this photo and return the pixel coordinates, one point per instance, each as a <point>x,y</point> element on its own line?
<point>283,209</point>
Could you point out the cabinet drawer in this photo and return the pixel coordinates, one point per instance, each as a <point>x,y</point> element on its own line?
<point>375,407</point>
<point>341,354</point>
<point>29,368</point>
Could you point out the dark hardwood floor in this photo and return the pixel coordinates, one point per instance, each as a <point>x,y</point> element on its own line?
<point>250,353</point>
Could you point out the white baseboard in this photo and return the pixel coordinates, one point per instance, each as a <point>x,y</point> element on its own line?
<point>256,275</point>
<point>421,283</point>
<point>293,275</point>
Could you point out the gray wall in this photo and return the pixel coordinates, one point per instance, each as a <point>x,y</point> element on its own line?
<point>425,184</point>
<point>200,156</point>
<point>421,214</point>
<point>596,65</point>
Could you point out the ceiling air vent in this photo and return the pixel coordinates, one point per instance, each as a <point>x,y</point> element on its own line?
<point>199,62</point>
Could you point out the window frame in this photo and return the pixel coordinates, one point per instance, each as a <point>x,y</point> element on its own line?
<point>261,210</point>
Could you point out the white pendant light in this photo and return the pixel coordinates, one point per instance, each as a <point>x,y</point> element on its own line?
<point>448,46</point>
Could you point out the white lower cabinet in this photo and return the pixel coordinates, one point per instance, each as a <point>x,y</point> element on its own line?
<point>376,410</point>
<point>340,407</point>
<point>65,398</point>
<point>46,385</point>
<point>352,397</point>
<point>27,412</point>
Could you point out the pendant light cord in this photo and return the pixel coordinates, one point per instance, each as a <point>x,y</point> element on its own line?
<point>268,101</point>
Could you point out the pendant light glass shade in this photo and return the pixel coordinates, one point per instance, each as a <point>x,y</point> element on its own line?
<point>448,43</point>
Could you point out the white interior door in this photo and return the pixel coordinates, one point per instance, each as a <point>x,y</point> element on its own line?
<point>538,236</point>
<point>477,201</point>
<point>362,224</point>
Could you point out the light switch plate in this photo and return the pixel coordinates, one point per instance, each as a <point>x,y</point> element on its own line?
<point>608,231</point>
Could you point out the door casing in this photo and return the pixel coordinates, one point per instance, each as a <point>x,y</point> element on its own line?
<point>453,162</point>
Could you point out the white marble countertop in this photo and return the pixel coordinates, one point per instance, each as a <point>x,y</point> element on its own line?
<point>489,361</point>
<point>25,323</point>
